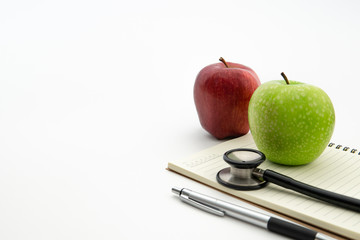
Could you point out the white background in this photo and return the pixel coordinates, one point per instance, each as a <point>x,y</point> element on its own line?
<point>96,98</point>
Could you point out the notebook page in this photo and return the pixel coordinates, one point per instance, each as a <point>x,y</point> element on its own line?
<point>335,170</point>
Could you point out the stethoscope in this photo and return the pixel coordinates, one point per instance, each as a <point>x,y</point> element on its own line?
<point>244,174</point>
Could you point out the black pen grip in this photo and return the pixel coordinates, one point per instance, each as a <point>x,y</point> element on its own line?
<point>290,229</point>
<point>318,193</point>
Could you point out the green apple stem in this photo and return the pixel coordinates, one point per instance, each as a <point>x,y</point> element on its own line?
<point>286,79</point>
<point>224,62</point>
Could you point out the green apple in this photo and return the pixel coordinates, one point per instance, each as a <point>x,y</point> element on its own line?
<point>291,122</point>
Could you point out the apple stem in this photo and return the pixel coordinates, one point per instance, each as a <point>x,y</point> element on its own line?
<point>223,61</point>
<point>286,79</point>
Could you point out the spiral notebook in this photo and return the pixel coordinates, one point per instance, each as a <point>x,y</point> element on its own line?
<point>337,170</point>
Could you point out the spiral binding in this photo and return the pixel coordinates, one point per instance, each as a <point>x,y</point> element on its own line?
<point>345,149</point>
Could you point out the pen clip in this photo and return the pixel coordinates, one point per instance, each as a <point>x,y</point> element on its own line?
<point>202,206</point>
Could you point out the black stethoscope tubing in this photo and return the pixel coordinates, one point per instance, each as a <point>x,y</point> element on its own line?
<point>315,192</point>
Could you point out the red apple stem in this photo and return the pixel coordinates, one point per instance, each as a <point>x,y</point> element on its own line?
<point>286,79</point>
<point>223,61</point>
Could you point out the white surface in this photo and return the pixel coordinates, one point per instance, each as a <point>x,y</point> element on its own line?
<point>96,97</point>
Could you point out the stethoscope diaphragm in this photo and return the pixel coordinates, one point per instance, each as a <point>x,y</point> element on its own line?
<point>242,163</point>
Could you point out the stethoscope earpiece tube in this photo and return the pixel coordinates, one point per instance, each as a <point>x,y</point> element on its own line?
<point>318,193</point>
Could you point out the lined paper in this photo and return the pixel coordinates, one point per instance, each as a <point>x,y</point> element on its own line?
<point>335,170</point>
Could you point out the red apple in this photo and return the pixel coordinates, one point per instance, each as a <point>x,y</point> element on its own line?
<point>222,92</point>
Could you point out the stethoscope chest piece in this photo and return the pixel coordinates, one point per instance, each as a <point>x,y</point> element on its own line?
<point>242,163</point>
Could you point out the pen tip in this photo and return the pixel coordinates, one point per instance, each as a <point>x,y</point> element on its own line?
<point>176,190</point>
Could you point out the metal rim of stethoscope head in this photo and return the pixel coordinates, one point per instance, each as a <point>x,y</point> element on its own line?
<point>239,176</point>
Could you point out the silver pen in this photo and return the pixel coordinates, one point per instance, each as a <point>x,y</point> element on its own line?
<point>222,208</point>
